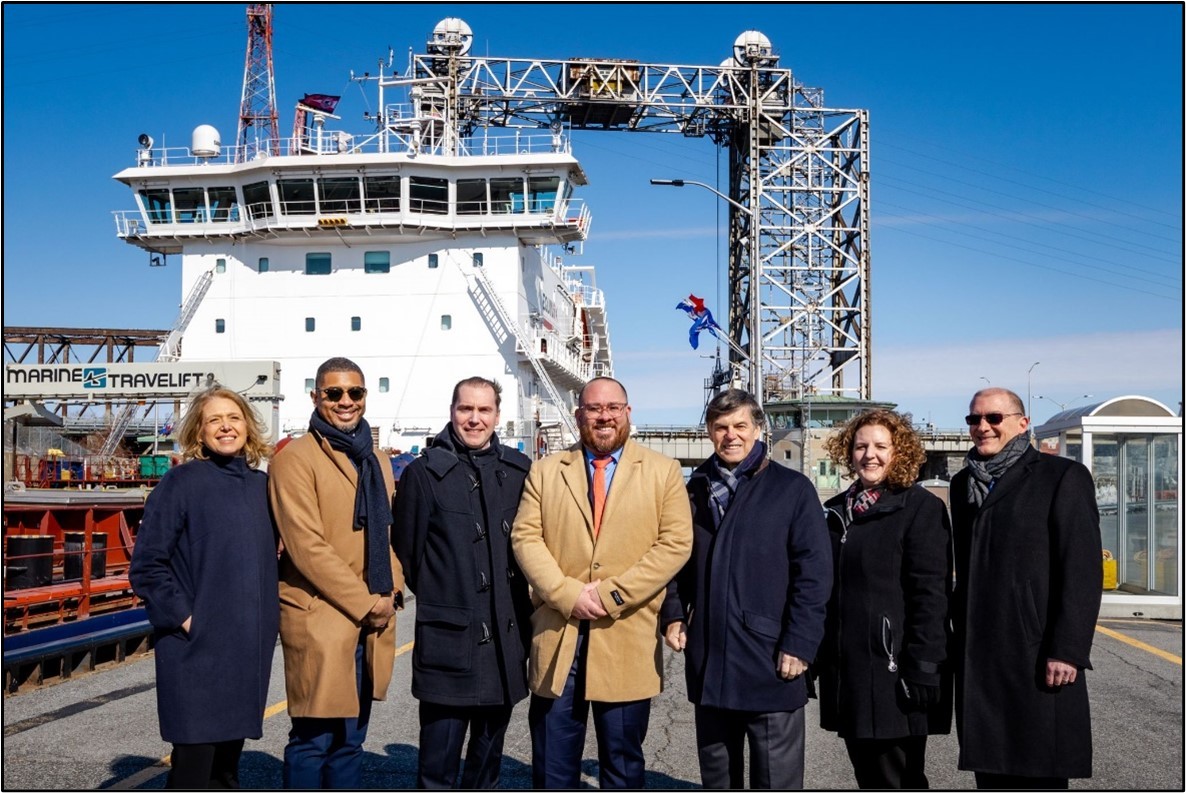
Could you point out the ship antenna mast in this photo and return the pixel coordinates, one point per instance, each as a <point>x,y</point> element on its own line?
<point>258,107</point>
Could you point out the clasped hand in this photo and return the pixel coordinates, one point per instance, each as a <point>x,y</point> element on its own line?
<point>588,605</point>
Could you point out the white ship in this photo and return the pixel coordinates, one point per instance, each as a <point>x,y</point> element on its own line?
<point>424,254</point>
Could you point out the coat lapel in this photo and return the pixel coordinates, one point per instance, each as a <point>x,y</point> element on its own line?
<point>340,461</point>
<point>628,467</point>
<point>573,473</point>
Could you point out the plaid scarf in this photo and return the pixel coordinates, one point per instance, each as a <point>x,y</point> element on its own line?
<point>722,482</point>
<point>985,471</point>
<point>858,500</point>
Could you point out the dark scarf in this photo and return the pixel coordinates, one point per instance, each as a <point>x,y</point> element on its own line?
<point>859,500</point>
<point>722,483</point>
<point>984,471</point>
<point>372,508</point>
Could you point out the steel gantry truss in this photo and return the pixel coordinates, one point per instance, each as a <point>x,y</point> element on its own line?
<point>798,182</point>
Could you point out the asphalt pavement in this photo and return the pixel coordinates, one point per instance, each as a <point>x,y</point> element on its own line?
<point>100,730</point>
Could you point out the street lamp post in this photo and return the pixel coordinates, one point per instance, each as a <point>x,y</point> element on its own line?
<point>1028,399</point>
<point>755,307</point>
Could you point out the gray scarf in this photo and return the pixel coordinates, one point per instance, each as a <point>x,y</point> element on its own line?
<point>985,471</point>
<point>722,483</point>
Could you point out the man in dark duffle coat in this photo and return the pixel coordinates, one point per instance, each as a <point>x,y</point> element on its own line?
<point>453,515</point>
<point>749,606</point>
<point>1027,595</point>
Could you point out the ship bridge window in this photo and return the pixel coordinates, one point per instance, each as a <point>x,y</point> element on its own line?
<point>382,193</point>
<point>258,199</point>
<point>542,193</point>
<point>376,261</point>
<point>340,195</point>
<point>224,204</point>
<point>189,204</point>
<point>428,195</point>
<point>296,197</point>
<point>506,195</point>
<point>471,197</point>
<point>318,264</point>
<point>158,204</point>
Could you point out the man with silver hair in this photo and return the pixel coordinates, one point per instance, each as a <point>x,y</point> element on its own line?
<point>749,606</point>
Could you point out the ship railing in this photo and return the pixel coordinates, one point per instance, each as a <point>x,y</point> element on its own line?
<point>307,213</point>
<point>397,139</point>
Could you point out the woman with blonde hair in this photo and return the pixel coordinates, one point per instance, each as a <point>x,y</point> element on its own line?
<point>204,563</point>
<point>883,683</point>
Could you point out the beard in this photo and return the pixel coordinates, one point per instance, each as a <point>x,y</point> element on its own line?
<point>604,444</point>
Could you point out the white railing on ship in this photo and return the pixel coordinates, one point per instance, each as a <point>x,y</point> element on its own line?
<point>329,143</point>
<point>263,216</point>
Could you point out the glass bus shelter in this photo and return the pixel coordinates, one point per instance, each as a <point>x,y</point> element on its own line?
<point>1133,446</point>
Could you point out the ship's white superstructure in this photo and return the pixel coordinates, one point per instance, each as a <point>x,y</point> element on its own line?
<point>425,263</point>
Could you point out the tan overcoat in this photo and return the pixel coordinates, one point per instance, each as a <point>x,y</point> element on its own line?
<point>645,538</point>
<point>323,595</point>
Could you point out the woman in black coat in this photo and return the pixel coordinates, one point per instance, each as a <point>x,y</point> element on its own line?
<point>205,565</point>
<point>883,682</point>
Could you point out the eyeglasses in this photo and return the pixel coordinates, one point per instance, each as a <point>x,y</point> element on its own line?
<point>613,410</point>
<point>993,419</point>
<point>334,393</point>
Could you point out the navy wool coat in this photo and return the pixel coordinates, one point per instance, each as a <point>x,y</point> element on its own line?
<point>451,533</point>
<point>206,548</point>
<point>1028,579</point>
<point>888,617</point>
<point>755,586</point>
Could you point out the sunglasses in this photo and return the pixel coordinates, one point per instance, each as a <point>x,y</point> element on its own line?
<point>334,393</point>
<point>993,419</point>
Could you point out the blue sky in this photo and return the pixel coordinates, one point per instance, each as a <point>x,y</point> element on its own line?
<point>1026,173</point>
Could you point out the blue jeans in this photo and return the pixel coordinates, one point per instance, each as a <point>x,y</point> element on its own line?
<point>327,753</point>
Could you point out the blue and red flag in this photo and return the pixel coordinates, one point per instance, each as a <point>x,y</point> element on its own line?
<point>701,319</point>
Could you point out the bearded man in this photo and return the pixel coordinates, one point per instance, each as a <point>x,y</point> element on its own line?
<point>601,529</point>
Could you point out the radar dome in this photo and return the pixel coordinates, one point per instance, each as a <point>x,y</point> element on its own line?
<point>206,141</point>
<point>752,48</point>
<point>451,36</point>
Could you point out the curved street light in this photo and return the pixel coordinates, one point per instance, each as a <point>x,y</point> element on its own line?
<point>755,308</point>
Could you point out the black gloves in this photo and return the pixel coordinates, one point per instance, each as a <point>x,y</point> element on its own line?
<point>918,696</point>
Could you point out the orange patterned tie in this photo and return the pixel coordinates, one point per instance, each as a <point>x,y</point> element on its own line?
<point>599,464</point>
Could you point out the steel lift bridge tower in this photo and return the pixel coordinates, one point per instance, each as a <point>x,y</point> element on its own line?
<point>798,189</point>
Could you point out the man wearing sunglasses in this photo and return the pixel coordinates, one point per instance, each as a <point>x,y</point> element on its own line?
<point>1026,599</point>
<point>453,516</point>
<point>340,583</point>
<point>601,529</point>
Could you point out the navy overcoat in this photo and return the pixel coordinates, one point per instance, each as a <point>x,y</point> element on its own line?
<point>451,533</point>
<point>888,617</point>
<point>757,585</point>
<point>1028,579</point>
<point>206,548</point>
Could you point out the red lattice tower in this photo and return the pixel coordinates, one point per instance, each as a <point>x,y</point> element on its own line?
<point>259,128</point>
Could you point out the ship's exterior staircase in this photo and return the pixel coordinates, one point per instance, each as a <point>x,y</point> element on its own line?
<point>170,351</point>
<point>492,308</point>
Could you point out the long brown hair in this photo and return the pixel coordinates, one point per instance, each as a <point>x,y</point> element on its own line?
<point>257,449</point>
<point>908,452</point>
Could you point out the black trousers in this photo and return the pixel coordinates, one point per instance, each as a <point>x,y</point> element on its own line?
<point>891,763</point>
<point>985,781</point>
<point>205,765</point>
<point>775,748</point>
<point>442,733</point>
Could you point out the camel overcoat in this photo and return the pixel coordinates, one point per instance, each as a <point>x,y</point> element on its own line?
<point>645,538</point>
<point>323,593</point>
